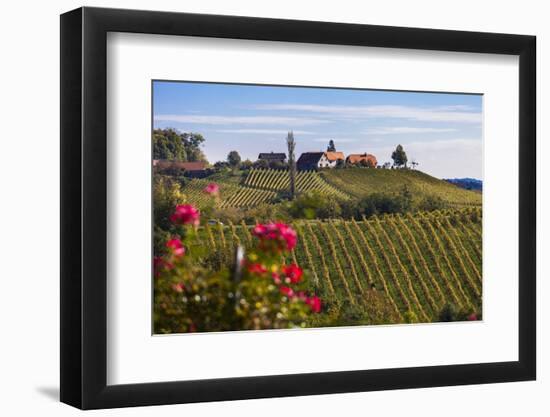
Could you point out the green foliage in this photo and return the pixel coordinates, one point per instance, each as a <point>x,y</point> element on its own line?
<point>431,203</point>
<point>261,164</point>
<point>314,205</point>
<point>256,293</point>
<point>377,204</point>
<point>399,157</point>
<point>411,317</point>
<point>171,145</point>
<point>450,312</point>
<point>247,164</point>
<point>279,165</point>
<point>167,194</point>
<point>265,213</point>
<point>234,159</point>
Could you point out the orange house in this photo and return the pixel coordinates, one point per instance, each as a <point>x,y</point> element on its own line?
<point>357,158</point>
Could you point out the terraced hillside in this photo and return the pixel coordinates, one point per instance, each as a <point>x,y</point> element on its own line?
<point>259,186</point>
<point>419,263</point>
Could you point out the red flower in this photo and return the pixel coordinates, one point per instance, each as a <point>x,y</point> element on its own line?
<point>289,292</point>
<point>257,269</point>
<point>293,272</point>
<point>278,236</point>
<point>176,247</point>
<point>212,189</point>
<point>472,317</point>
<point>314,303</point>
<point>185,214</point>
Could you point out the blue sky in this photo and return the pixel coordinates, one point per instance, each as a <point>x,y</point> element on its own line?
<point>442,132</point>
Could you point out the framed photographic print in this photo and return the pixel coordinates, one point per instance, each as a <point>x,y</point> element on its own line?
<point>257,208</point>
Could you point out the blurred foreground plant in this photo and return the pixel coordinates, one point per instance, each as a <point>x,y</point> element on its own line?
<point>260,292</point>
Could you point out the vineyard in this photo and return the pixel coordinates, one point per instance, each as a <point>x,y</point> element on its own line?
<point>417,263</point>
<point>264,186</point>
<point>362,182</point>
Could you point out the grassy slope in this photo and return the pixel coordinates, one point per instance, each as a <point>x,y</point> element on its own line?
<point>361,182</point>
<point>416,262</point>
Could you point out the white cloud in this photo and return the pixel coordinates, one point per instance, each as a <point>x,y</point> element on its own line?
<point>264,131</point>
<point>455,114</point>
<point>453,158</point>
<point>229,120</point>
<point>403,130</point>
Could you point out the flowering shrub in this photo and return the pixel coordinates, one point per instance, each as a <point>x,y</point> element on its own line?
<point>212,189</point>
<point>185,214</point>
<point>261,292</point>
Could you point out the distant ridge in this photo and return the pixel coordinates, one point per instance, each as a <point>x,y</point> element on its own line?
<point>467,183</point>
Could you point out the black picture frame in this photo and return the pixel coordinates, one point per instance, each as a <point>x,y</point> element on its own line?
<point>84,207</point>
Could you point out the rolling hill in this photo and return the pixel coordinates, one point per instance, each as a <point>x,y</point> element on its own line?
<point>264,186</point>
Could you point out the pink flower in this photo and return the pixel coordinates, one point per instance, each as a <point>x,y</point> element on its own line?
<point>257,269</point>
<point>185,214</point>
<point>176,247</point>
<point>178,287</point>
<point>472,317</point>
<point>278,236</point>
<point>314,303</point>
<point>276,278</point>
<point>212,189</point>
<point>287,291</point>
<point>293,272</point>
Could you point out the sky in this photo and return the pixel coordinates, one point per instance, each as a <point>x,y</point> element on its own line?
<point>441,132</point>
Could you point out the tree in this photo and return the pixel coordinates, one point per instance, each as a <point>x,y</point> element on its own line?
<point>234,159</point>
<point>246,164</point>
<point>167,144</point>
<point>173,146</point>
<point>331,147</point>
<point>192,143</point>
<point>261,164</point>
<point>291,145</point>
<point>399,157</point>
<point>277,165</point>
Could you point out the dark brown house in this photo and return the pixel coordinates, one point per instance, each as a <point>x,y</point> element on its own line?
<point>272,157</point>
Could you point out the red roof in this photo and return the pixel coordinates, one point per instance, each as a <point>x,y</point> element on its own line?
<point>187,166</point>
<point>334,156</point>
<point>355,158</point>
